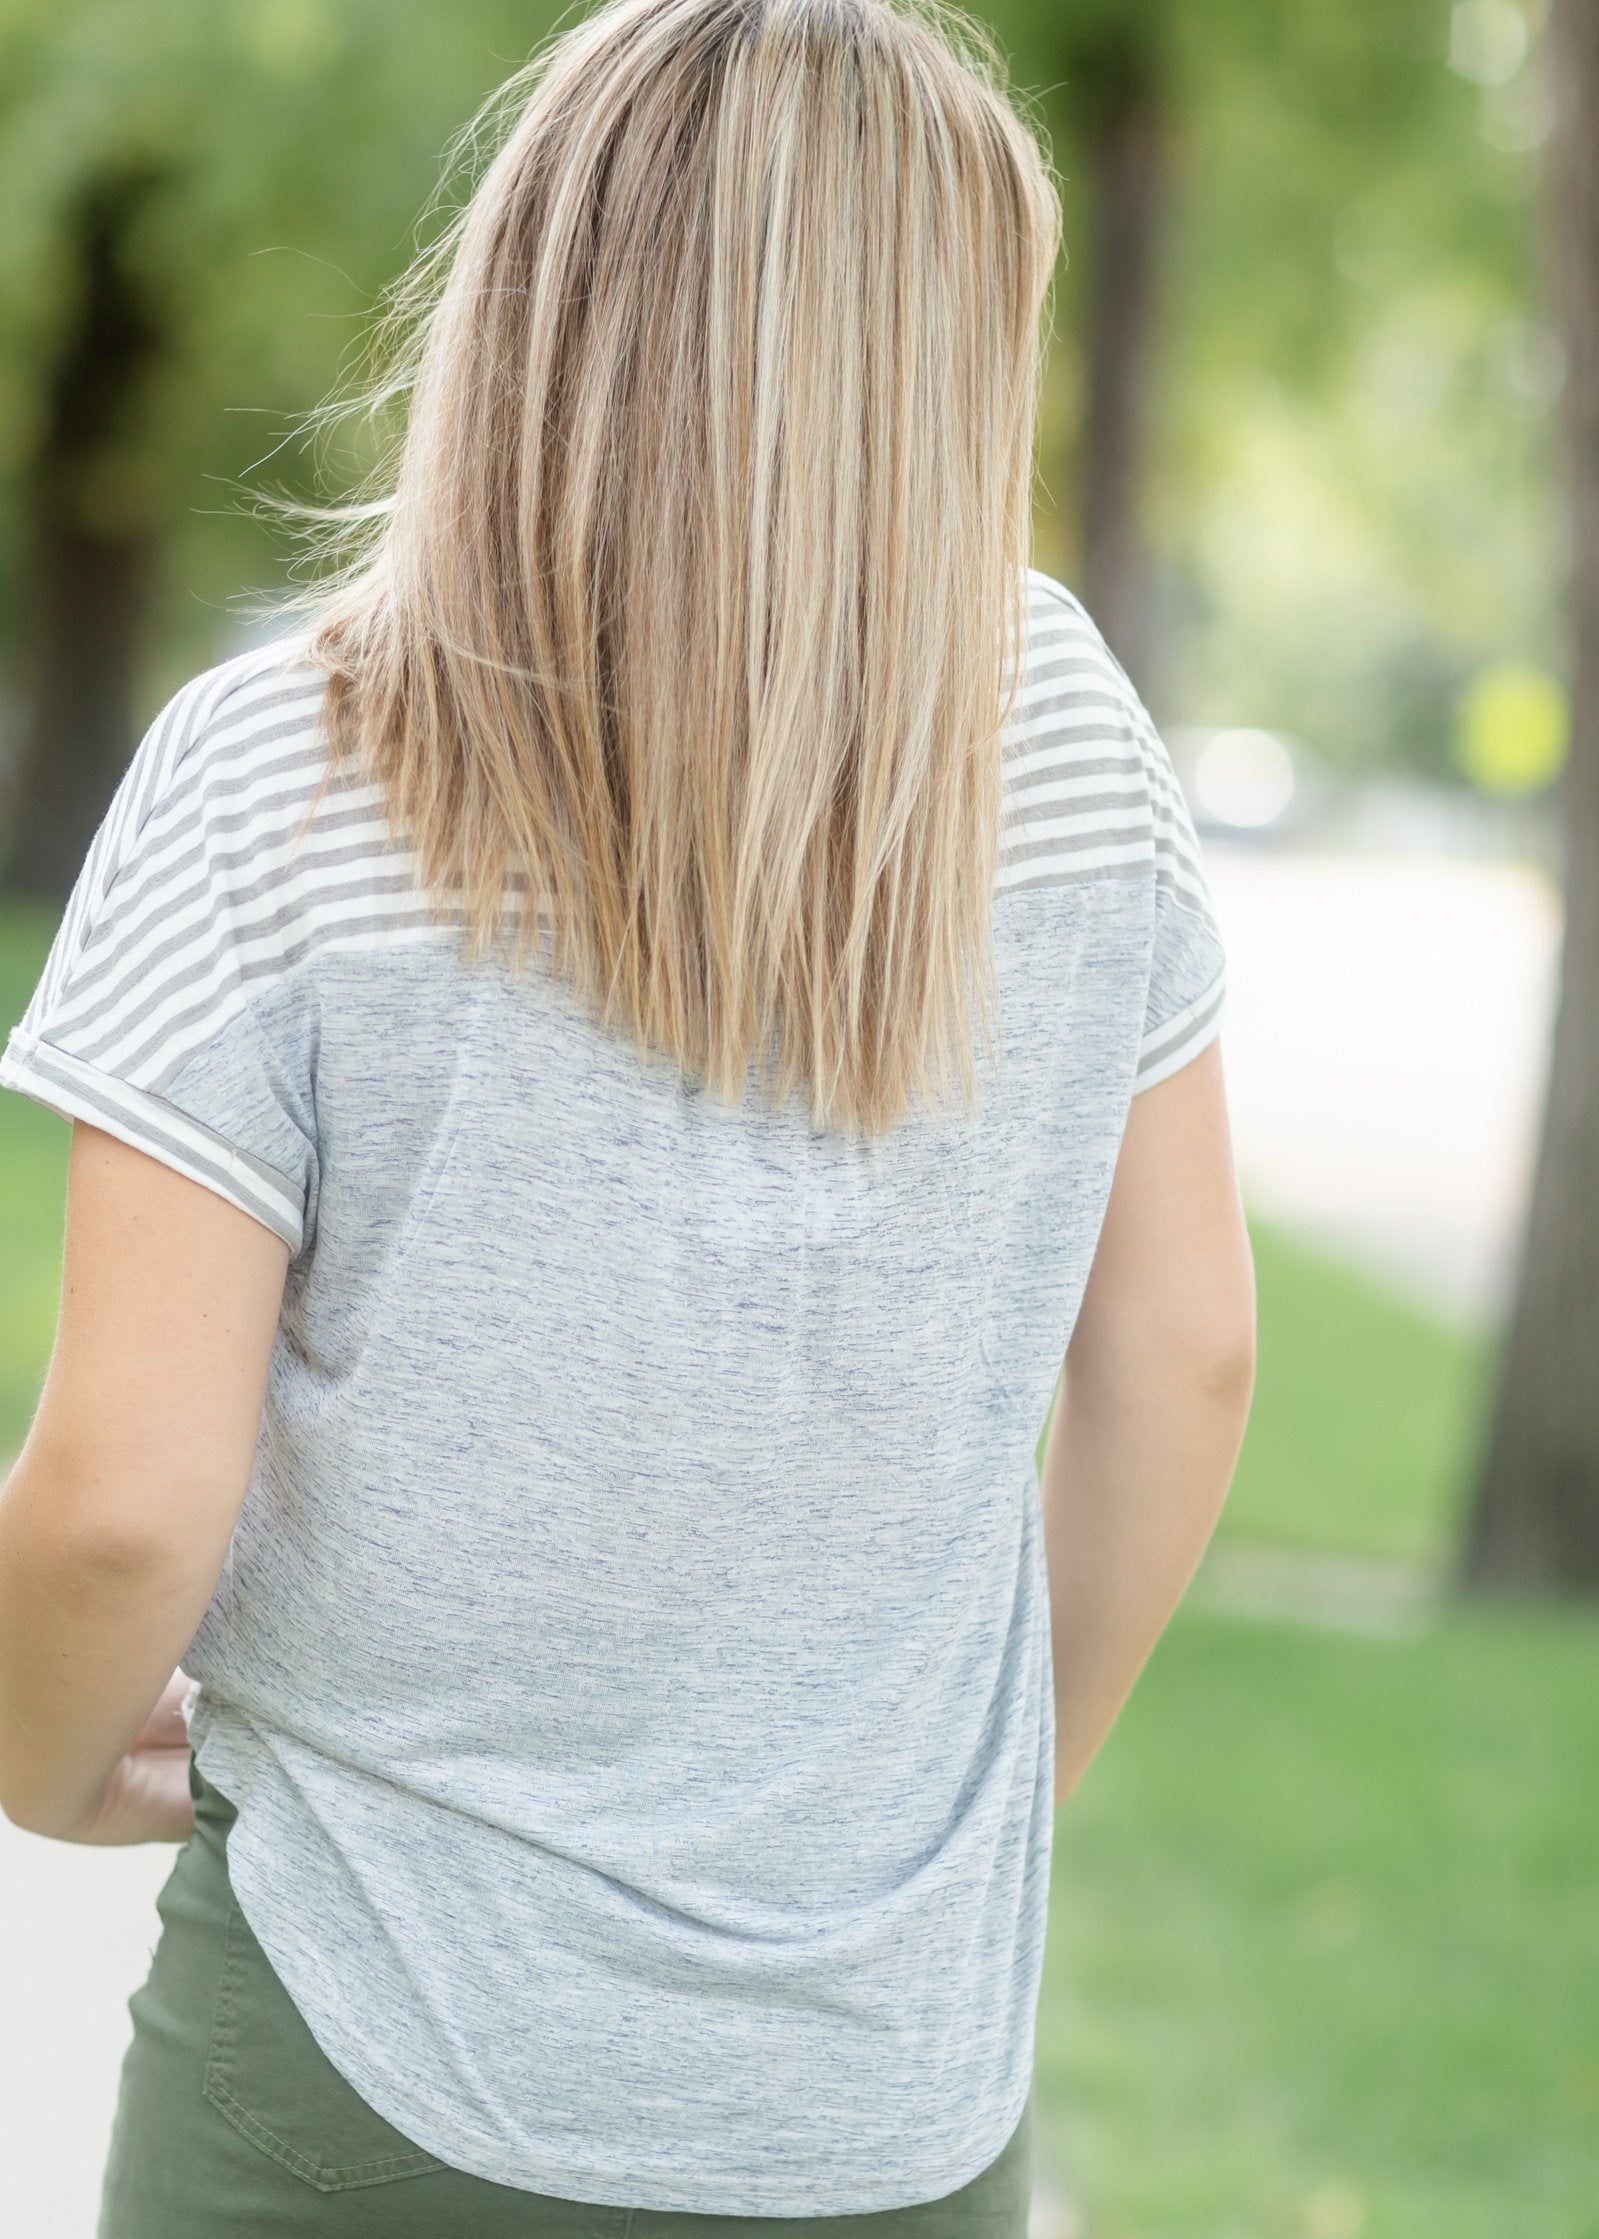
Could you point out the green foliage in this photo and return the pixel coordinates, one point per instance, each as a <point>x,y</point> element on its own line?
<point>1350,493</point>
<point>1353,449</point>
<point>276,157</point>
<point>1513,724</point>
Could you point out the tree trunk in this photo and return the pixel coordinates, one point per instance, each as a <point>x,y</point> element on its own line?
<point>1535,1521</point>
<point>90,564</point>
<point>1123,130</point>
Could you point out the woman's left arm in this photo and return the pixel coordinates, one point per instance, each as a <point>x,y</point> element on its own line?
<point>116,1517</point>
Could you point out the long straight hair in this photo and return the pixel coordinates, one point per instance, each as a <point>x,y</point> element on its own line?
<point>695,601</point>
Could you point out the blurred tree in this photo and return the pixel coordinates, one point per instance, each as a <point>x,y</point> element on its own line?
<point>87,570</point>
<point>1354,465</point>
<point>1117,97</point>
<point>1535,1520</point>
<point>1258,199</point>
<point>1288,248</point>
<point>152,154</point>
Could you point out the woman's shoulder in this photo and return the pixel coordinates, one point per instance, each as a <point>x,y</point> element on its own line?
<point>230,797</point>
<point>185,919</point>
<point>255,707</point>
<point>1077,755</point>
<point>1052,601</point>
<point>220,866</point>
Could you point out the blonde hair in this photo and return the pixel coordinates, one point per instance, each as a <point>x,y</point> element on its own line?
<point>697,604</point>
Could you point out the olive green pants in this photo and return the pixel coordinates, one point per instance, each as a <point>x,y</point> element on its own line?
<point>232,2123</point>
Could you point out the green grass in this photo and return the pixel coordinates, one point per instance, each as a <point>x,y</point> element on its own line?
<point>1365,1418</point>
<point>1363,1427</point>
<point>1324,1938</point>
<point>33,1170</point>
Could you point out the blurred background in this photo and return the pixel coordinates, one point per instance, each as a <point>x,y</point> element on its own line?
<point>1320,447</point>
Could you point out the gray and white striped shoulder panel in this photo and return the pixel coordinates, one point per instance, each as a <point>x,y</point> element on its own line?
<point>1090,788</point>
<point>204,880</point>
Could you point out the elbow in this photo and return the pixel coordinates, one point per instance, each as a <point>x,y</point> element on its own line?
<point>21,1804</point>
<point>1209,1360</point>
<point>86,1522</point>
<point>31,1816</point>
<point>16,1814</point>
<point>1211,1346</point>
<point>1227,1372</point>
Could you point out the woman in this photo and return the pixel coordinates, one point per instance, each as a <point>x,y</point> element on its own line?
<point>547,1380</point>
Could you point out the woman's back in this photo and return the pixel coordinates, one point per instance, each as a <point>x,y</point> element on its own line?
<point>632,1660</point>
<point>626,1707</point>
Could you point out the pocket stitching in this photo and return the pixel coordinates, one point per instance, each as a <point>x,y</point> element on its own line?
<point>224,2045</point>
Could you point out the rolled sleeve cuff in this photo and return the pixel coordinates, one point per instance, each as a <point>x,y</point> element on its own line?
<point>65,1084</point>
<point>1170,1046</point>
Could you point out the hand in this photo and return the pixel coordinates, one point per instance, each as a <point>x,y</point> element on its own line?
<point>147,1799</point>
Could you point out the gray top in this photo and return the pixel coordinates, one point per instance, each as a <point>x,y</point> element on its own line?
<point>631,1664</point>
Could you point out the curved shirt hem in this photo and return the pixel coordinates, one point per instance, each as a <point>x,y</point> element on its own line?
<point>478,2157</point>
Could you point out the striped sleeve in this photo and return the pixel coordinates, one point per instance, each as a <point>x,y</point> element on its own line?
<point>1188,964</point>
<point>147,1020</point>
<point>1092,794</point>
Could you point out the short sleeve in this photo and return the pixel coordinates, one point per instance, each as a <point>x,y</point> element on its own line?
<point>1188,965</point>
<point>162,1014</point>
<point>1142,828</point>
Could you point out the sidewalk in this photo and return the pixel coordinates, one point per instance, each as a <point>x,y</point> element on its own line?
<point>1385,1039</point>
<point>77,1930</point>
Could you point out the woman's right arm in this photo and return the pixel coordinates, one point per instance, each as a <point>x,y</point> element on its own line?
<point>1153,1400</point>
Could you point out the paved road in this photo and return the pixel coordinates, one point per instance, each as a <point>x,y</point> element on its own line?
<point>77,1928</point>
<point>1384,1046</point>
<point>1385,1043</point>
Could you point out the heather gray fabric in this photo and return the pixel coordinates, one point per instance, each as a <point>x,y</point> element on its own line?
<point>631,1666</point>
